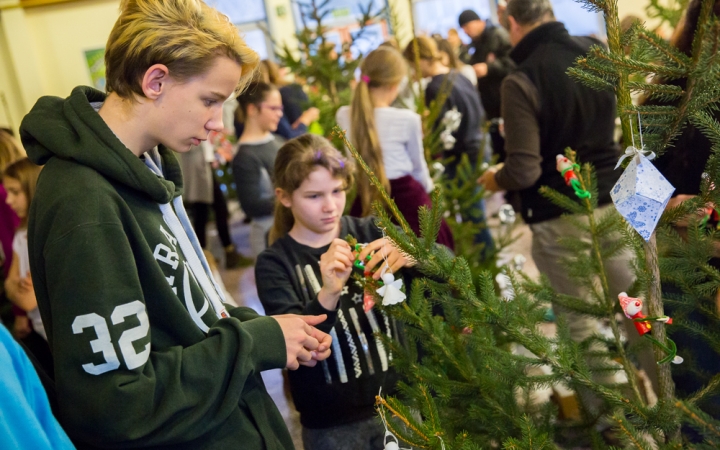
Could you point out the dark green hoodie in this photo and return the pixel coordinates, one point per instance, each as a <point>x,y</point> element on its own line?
<point>132,367</point>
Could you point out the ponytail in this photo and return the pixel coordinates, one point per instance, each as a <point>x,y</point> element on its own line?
<point>383,67</point>
<point>367,142</point>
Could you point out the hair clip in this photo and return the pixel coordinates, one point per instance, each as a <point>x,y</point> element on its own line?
<point>365,79</point>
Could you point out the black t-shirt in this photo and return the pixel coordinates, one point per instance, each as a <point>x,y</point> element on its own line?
<point>341,389</point>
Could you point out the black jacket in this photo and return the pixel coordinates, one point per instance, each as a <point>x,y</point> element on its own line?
<point>493,40</point>
<point>571,115</point>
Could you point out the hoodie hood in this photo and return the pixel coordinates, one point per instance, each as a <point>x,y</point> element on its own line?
<point>71,129</point>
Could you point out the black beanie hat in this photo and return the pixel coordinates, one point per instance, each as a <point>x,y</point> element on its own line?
<point>467,16</point>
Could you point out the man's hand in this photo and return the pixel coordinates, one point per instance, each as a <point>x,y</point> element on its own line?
<point>481,69</point>
<point>384,249</point>
<point>304,344</point>
<point>487,179</point>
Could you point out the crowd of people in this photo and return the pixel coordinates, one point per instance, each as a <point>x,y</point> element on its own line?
<point>129,339</point>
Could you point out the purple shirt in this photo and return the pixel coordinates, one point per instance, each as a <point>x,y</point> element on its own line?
<point>9,222</point>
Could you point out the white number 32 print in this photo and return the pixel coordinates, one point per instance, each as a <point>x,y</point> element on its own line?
<point>103,344</point>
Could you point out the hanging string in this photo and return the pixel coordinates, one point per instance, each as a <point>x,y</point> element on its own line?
<point>634,151</point>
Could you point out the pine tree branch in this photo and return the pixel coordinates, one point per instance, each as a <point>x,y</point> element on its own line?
<point>696,418</point>
<point>661,46</point>
<point>709,389</point>
<point>375,182</point>
<point>632,65</point>
<point>382,402</point>
<point>629,432</point>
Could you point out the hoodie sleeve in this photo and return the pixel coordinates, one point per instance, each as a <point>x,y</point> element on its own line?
<point>126,374</point>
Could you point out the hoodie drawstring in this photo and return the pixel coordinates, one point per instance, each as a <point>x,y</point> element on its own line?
<point>180,226</point>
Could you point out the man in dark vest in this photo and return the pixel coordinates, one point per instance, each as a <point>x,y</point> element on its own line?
<point>546,111</point>
<point>489,55</point>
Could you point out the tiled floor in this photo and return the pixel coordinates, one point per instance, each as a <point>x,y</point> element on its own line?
<point>241,285</point>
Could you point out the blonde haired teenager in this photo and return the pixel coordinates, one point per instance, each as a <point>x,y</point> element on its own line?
<point>389,140</point>
<point>146,352</point>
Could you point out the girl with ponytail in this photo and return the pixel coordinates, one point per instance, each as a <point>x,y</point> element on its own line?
<point>389,140</point>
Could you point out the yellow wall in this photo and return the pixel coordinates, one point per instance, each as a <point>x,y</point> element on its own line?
<point>42,48</point>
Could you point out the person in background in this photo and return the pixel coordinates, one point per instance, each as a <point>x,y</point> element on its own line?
<point>201,192</point>
<point>461,97</point>
<point>389,139</point>
<point>449,59</point>
<point>545,112</point>
<point>489,54</point>
<point>458,46</point>
<point>297,112</point>
<point>254,162</point>
<point>19,180</point>
<point>10,151</point>
<point>147,353</point>
<point>306,270</point>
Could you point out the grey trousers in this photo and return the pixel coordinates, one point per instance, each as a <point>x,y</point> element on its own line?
<point>548,254</point>
<point>364,435</point>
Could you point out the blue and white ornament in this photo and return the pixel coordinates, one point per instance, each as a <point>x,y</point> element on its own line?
<point>641,194</point>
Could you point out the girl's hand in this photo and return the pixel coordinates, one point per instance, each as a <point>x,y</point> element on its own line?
<point>335,267</point>
<point>384,249</point>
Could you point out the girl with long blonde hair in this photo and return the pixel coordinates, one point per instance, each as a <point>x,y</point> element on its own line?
<point>389,140</point>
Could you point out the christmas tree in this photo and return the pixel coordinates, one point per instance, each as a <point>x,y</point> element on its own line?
<point>317,60</point>
<point>471,374</point>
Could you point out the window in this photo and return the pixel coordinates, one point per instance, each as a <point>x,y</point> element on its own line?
<point>438,16</point>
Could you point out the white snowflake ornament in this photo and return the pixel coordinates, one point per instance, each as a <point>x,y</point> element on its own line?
<point>391,292</point>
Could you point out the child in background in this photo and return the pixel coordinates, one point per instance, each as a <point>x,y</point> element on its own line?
<point>306,271</point>
<point>462,96</point>
<point>19,180</point>
<point>10,151</point>
<point>262,109</point>
<point>389,140</point>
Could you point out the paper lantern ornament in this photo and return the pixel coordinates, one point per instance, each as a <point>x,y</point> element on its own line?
<point>641,194</point>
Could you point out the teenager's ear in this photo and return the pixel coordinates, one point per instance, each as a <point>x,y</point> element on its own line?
<point>153,83</point>
<point>283,197</point>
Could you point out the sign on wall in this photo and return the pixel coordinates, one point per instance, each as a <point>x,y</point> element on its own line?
<point>95,59</point>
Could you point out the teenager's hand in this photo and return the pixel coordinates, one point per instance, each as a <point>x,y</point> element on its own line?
<point>335,267</point>
<point>324,341</point>
<point>384,249</point>
<point>301,340</point>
